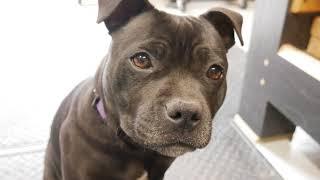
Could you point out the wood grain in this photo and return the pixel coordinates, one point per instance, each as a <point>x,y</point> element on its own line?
<point>315,28</point>
<point>314,47</point>
<point>305,6</point>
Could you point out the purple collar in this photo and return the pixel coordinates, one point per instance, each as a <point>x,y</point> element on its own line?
<point>98,105</point>
<point>100,109</point>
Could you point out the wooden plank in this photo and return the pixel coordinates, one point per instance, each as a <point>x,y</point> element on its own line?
<point>295,94</point>
<point>290,90</point>
<point>314,47</point>
<point>301,60</point>
<point>263,43</point>
<point>315,29</point>
<point>296,30</point>
<point>305,6</point>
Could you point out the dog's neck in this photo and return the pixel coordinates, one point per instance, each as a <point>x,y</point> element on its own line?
<point>97,104</point>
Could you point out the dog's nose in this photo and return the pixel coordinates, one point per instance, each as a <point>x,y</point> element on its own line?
<point>184,114</point>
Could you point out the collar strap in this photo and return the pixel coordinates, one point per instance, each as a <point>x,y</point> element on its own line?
<point>100,109</point>
<point>98,105</point>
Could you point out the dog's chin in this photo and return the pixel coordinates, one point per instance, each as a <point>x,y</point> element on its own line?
<point>173,150</point>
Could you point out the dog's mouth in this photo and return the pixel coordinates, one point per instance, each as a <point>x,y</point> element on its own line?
<point>169,149</point>
<point>174,150</point>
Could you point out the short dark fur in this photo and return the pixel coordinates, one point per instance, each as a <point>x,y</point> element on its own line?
<point>83,146</point>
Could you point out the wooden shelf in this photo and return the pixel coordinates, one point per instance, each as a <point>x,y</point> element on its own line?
<point>305,6</point>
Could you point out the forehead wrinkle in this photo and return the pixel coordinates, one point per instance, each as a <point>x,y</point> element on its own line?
<point>180,34</point>
<point>157,47</point>
<point>185,33</point>
<point>160,42</point>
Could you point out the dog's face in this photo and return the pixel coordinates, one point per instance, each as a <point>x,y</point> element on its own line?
<point>165,75</point>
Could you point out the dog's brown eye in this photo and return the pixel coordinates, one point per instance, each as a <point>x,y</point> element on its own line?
<point>141,60</point>
<point>215,72</point>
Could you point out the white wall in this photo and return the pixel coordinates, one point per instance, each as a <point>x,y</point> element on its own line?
<point>46,48</point>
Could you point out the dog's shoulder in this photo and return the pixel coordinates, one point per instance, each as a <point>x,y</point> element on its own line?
<point>64,110</point>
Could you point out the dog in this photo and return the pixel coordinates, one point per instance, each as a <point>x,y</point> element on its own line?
<point>152,99</point>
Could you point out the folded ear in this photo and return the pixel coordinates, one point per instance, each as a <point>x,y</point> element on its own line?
<point>116,13</point>
<point>225,21</point>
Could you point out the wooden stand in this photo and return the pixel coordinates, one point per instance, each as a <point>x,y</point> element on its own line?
<point>278,95</point>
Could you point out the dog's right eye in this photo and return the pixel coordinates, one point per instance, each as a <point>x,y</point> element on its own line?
<point>141,60</point>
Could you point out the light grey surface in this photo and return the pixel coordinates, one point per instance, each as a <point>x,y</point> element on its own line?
<point>22,166</point>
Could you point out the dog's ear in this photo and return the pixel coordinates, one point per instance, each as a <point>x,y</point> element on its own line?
<point>225,21</point>
<point>116,13</point>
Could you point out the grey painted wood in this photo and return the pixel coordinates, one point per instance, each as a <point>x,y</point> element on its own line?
<point>296,95</point>
<point>288,96</point>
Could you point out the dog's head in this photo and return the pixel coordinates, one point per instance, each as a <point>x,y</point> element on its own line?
<point>165,75</point>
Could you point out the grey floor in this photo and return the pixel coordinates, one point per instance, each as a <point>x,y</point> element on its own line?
<point>24,130</point>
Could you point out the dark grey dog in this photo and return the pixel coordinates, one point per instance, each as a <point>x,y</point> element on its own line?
<point>153,97</point>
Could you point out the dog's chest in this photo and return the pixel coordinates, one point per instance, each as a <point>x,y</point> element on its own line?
<point>112,169</point>
<point>133,170</point>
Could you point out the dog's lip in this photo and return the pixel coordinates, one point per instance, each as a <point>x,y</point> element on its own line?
<point>174,150</point>
<point>181,144</point>
<point>184,145</point>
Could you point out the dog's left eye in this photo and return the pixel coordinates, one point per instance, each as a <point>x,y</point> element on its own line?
<point>215,72</point>
<point>141,60</point>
